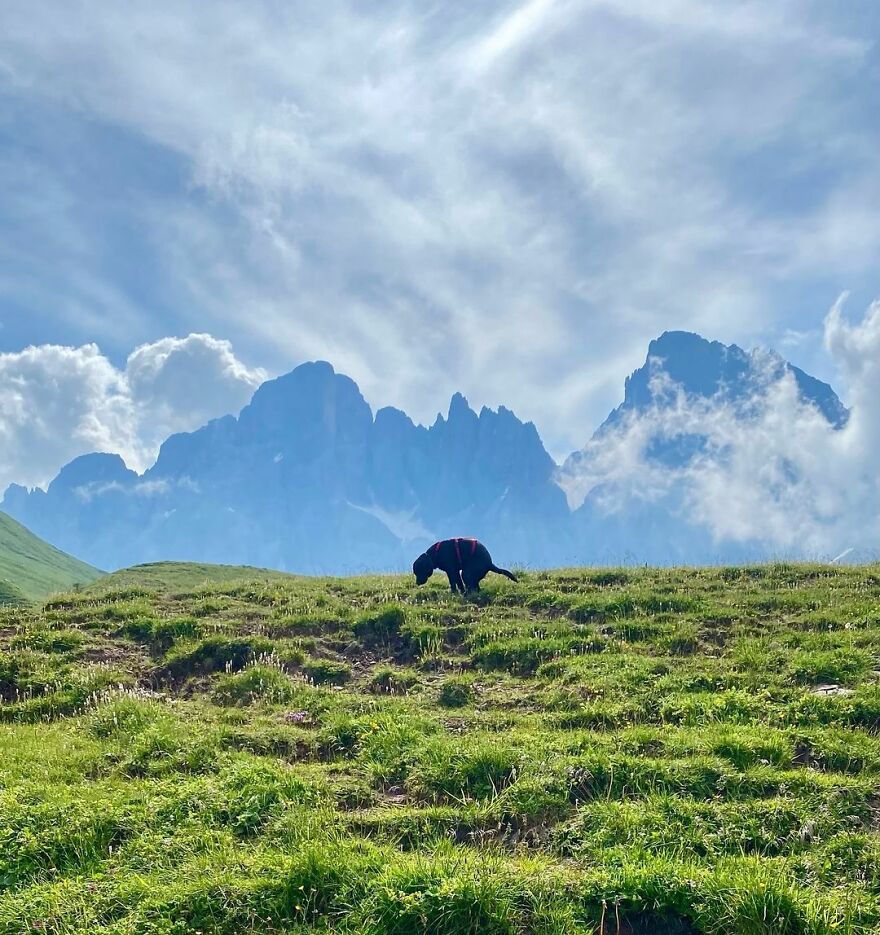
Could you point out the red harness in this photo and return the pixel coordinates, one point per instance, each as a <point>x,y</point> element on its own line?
<point>457,542</point>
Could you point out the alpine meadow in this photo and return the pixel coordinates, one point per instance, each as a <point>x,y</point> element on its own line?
<point>215,749</point>
<point>439,467</point>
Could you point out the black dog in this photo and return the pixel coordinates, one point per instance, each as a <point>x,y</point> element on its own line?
<point>465,561</point>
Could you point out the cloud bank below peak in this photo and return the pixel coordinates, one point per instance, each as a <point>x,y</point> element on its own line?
<point>768,471</point>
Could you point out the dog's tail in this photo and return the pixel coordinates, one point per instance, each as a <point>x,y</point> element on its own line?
<point>503,571</point>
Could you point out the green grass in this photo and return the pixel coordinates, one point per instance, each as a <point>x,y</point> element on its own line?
<point>182,576</point>
<point>203,749</point>
<point>31,569</point>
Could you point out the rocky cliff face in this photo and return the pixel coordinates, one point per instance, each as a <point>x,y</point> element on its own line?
<point>306,479</point>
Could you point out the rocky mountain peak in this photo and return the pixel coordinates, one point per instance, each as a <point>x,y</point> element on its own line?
<point>97,468</point>
<point>706,369</point>
<point>460,411</point>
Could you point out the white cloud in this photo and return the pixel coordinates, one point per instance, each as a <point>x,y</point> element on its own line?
<point>515,30</point>
<point>782,477</point>
<point>60,402</point>
<point>179,383</point>
<point>57,402</point>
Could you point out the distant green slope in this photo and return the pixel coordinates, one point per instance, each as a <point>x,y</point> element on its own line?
<point>31,569</point>
<point>9,594</point>
<point>183,576</point>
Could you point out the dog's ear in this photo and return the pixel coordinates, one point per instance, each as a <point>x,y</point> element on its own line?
<point>425,558</point>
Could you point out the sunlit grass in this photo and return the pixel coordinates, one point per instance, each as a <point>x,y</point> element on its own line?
<point>186,748</point>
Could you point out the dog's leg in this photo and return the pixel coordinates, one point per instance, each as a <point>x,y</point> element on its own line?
<point>453,582</point>
<point>470,583</point>
<point>461,583</point>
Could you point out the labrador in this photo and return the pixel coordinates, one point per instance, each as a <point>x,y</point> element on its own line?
<point>465,561</point>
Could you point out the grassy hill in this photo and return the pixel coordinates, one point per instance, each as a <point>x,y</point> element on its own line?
<point>10,595</point>
<point>181,576</point>
<point>586,751</point>
<point>31,569</point>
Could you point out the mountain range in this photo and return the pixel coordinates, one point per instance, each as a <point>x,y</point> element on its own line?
<point>307,479</point>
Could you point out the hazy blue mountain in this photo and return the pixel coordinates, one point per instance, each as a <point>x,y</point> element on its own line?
<point>680,361</point>
<point>306,478</point>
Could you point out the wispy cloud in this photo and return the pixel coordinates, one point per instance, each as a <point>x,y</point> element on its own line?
<point>493,197</point>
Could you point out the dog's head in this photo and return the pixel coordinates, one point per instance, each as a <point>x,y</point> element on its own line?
<point>423,568</point>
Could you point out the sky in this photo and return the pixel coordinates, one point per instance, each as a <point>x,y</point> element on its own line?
<point>504,199</point>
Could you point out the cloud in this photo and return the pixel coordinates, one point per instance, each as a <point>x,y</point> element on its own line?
<point>60,402</point>
<point>483,197</point>
<point>144,488</point>
<point>180,383</point>
<point>771,470</point>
